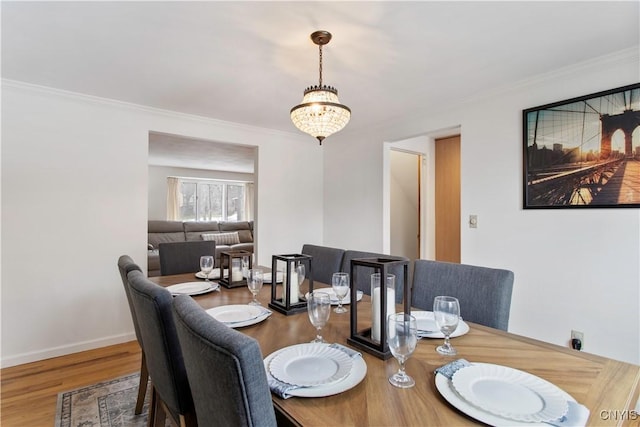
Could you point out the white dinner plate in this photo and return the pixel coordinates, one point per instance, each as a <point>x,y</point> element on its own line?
<point>334,298</point>
<point>267,277</point>
<point>510,393</point>
<point>426,322</point>
<point>215,274</point>
<point>192,288</point>
<point>447,390</point>
<point>239,315</point>
<point>309,365</point>
<point>357,374</point>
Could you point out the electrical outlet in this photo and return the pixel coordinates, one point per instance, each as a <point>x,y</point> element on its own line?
<point>579,336</point>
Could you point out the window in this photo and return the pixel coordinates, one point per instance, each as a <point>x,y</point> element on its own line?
<point>211,200</point>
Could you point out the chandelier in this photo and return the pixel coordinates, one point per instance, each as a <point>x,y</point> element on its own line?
<point>320,113</point>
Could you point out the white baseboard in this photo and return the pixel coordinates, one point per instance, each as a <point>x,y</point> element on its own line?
<point>48,353</point>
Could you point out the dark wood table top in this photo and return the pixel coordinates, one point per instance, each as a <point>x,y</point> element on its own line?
<point>609,388</point>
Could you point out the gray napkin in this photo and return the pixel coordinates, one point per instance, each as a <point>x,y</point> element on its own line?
<point>450,368</point>
<point>264,312</point>
<point>350,352</point>
<point>576,416</point>
<point>282,389</point>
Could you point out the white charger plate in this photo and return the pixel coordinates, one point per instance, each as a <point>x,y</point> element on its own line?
<point>215,274</point>
<point>192,288</point>
<point>309,365</point>
<point>510,393</point>
<point>447,390</point>
<point>426,322</point>
<point>357,374</point>
<point>334,298</point>
<point>267,277</point>
<point>239,315</point>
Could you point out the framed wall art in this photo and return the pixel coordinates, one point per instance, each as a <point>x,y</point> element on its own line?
<point>584,152</point>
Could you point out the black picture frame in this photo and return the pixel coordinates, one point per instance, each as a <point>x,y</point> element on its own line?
<point>583,152</point>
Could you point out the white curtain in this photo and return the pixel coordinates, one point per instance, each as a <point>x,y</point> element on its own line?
<point>248,201</point>
<point>173,198</point>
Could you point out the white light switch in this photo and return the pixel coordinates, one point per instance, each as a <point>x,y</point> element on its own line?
<point>473,221</point>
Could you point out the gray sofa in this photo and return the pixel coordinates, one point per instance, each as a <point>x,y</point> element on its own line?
<point>182,231</point>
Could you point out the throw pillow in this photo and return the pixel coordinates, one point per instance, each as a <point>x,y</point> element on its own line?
<point>223,238</point>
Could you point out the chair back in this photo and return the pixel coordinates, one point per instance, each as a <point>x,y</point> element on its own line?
<point>184,257</point>
<point>325,261</point>
<point>152,304</point>
<point>363,281</point>
<point>225,369</point>
<point>484,293</point>
<point>125,265</point>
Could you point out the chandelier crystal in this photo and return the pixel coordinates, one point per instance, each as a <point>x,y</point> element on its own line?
<point>320,114</point>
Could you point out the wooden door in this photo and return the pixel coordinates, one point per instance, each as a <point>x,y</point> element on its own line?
<point>447,199</point>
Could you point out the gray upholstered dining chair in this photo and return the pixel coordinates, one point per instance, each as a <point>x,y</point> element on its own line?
<point>125,265</point>
<point>325,261</point>
<point>484,293</point>
<point>225,369</point>
<point>170,387</point>
<point>363,281</point>
<point>184,257</point>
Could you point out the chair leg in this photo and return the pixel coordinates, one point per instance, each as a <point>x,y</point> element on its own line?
<point>142,387</point>
<point>161,414</point>
<point>188,420</point>
<point>152,408</point>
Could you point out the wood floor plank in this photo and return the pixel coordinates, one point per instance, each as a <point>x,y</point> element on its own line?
<point>29,392</point>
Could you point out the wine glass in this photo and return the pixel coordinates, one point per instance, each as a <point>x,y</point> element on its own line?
<point>446,312</point>
<point>254,283</point>
<point>319,308</point>
<point>206,266</point>
<point>402,337</point>
<point>340,285</point>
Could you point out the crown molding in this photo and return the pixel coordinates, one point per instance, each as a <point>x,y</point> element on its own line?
<point>92,99</point>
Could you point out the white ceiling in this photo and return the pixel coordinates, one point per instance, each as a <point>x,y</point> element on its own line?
<point>249,62</point>
<point>179,151</point>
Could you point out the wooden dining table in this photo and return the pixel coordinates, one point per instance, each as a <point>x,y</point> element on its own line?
<point>608,388</point>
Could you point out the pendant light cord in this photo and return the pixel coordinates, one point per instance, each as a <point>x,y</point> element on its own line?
<point>320,47</point>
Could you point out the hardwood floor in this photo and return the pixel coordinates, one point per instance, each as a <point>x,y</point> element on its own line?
<point>29,392</point>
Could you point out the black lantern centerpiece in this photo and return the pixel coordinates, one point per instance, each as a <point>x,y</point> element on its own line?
<point>232,261</point>
<point>290,300</point>
<point>373,339</point>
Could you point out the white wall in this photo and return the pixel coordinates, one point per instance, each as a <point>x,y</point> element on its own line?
<point>574,269</point>
<point>74,198</point>
<point>158,184</point>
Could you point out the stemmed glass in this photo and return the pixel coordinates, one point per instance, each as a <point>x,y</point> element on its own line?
<point>319,308</point>
<point>340,285</point>
<point>206,266</point>
<point>254,283</point>
<point>402,337</point>
<point>446,312</point>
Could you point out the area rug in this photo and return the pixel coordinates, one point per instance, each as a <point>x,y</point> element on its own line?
<point>107,404</point>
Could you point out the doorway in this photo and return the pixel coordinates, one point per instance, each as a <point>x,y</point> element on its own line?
<point>405,203</point>
<point>424,148</point>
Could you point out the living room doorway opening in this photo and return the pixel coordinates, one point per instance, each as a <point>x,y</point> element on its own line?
<point>211,181</point>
